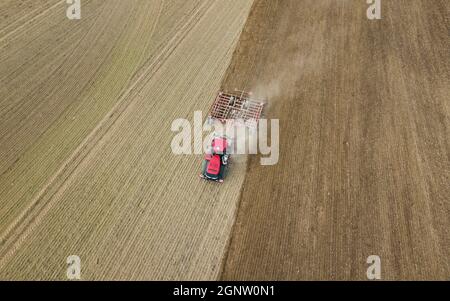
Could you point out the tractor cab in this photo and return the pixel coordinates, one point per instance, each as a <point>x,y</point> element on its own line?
<point>216,160</point>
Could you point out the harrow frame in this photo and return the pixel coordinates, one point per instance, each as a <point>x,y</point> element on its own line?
<point>238,106</point>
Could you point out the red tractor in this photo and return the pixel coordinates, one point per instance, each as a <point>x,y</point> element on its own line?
<point>216,160</point>
<point>229,108</point>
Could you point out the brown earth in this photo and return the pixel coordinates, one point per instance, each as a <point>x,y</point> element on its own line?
<point>364,108</point>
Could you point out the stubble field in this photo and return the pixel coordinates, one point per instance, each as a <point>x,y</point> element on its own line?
<point>86,168</point>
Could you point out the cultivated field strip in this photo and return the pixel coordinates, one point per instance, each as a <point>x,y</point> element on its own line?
<point>53,118</point>
<point>129,208</point>
<point>40,201</point>
<point>364,142</point>
<point>15,15</point>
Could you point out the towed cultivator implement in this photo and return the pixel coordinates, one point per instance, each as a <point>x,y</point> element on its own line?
<point>237,108</point>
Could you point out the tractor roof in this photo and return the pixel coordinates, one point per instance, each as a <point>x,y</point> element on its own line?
<point>219,144</point>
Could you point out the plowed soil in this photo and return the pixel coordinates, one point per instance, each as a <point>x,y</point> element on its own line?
<point>364,108</point>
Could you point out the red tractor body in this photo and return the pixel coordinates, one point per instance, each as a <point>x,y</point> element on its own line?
<point>216,161</point>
